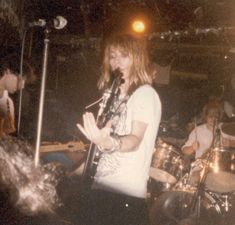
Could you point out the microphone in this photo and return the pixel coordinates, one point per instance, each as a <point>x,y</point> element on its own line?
<point>117,81</point>
<point>58,23</point>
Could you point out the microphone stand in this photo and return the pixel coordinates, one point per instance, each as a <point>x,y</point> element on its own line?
<point>21,91</point>
<point>42,95</point>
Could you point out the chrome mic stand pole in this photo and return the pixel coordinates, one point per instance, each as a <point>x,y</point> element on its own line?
<point>21,91</point>
<point>42,94</point>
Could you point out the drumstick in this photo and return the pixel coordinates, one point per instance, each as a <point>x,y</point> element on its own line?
<point>195,127</point>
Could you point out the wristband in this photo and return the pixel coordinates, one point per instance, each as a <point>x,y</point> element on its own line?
<point>116,144</point>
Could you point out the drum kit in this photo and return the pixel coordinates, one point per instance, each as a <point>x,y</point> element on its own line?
<point>211,201</point>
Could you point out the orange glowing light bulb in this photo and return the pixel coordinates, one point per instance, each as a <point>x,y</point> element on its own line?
<point>138,26</point>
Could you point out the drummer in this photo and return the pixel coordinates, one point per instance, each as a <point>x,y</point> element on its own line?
<point>202,137</point>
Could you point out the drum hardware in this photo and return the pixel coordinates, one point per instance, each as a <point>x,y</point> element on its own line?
<point>223,186</point>
<point>200,188</point>
<point>226,204</point>
<point>184,184</point>
<point>198,191</point>
<point>199,205</point>
<point>223,200</point>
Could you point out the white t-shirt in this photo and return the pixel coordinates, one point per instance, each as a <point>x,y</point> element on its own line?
<point>203,135</point>
<point>3,104</point>
<point>128,172</point>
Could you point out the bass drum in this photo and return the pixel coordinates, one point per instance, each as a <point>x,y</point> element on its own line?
<point>173,208</point>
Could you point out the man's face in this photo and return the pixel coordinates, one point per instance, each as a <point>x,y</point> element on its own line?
<point>212,121</point>
<point>120,60</point>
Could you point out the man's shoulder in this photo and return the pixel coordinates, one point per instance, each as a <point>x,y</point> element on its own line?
<point>146,89</point>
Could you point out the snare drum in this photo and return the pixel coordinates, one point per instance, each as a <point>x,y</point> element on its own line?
<point>167,164</point>
<point>221,174</point>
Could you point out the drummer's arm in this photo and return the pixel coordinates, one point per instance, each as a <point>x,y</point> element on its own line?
<point>189,150</point>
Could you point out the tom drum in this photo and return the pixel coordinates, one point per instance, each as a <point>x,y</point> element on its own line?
<point>167,164</point>
<point>221,172</point>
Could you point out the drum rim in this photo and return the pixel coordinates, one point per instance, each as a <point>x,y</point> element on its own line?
<point>224,149</point>
<point>153,174</point>
<point>173,149</point>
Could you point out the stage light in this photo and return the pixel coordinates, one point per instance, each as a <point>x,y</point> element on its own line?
<point>138,26</point>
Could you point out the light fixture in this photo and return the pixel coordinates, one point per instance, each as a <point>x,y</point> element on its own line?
<point>138,26</point>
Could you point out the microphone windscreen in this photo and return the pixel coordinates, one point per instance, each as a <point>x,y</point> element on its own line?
<point>60,22</point>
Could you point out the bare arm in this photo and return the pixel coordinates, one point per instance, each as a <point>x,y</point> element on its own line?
<point>130,142</point>
<point>189,150</point>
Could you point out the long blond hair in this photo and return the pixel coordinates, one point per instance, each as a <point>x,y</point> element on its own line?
<point>135,47</point>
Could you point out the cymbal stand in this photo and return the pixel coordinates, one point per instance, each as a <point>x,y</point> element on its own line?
<point>196,200</point>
